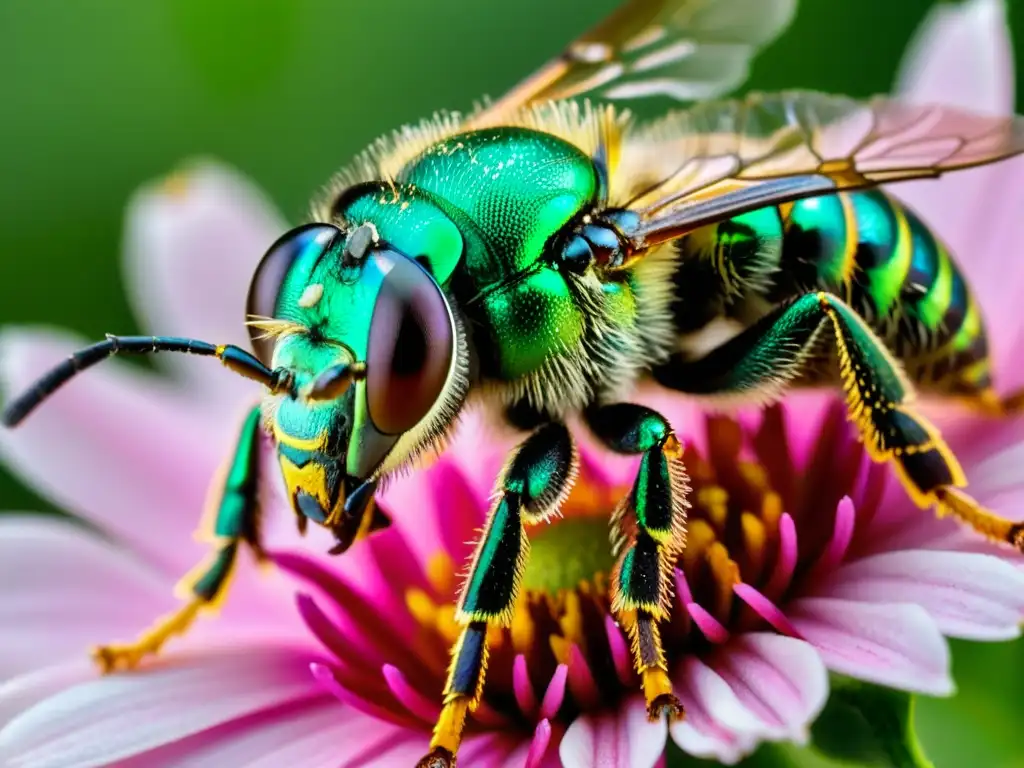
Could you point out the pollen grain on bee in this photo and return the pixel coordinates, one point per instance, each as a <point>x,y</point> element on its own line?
<point>311,296</point>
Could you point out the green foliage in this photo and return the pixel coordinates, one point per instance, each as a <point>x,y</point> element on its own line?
<point>867,724</point>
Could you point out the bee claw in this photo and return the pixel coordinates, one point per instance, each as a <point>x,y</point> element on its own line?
<point>666,705</point>
<point>439,757</point>
<point>338,548</point>
<point>112,658</point>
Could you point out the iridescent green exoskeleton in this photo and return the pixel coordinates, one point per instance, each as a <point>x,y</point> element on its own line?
<point>543,256</point>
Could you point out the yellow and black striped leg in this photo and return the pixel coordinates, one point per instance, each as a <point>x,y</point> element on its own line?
<point>761,360</point>
<point>236,519</point>
<point>531,488</point>
<point>648,535</point>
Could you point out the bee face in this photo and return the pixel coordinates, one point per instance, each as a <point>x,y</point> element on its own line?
<point>369,340</point>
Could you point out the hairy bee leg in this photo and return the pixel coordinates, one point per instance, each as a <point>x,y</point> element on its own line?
<point>649,532</point>
<point>236,519</point>
<point>530,489</point>
<point>761,360</point>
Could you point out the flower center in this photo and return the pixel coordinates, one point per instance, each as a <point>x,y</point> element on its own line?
<point>568,553</point>
<point>761,522</point>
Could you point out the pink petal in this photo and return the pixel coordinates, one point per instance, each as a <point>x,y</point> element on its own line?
<point>620,651</point>
<point>192,243</point>
<point>581,679</point>
<point>968,595</point>
<point>781,680</point>
<point>24,692</point>
<point>555,693</point>
<point>893,644</point>
<point>522,687</point>
<point>765,608</point>
<point>712,628</point>
<point>993,455</point>
<point>411,501</point>
<point>961,55</point>
<point>489,748</point>
<point>842,534</point>
<point>480,446</point>
<point>464,511</point>
<point>424,708</point>
<point>74,590</point>
<point>327,679</point>
<point>111,718</point>
<point>717,724</point>
<point>619,739</point>
<point>117,447</point>
<point>785,565</point>
<point>311,734</point>
<point>539,744</point>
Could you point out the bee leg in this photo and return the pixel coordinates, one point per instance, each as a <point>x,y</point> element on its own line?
<point>759,362</point>
<point>235,519</point>
<point>532,486</point>
<point>648,534</point>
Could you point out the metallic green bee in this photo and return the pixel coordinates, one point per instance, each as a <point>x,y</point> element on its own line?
<point>543,256</point>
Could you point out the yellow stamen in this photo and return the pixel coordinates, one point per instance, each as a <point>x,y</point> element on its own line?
<point>715,502</point>
<point>447,626</point>
<point>754,538</point>
<point>726,574</point>
<point>571,621</point>
<point>421,607</point>
<point>771,510</point>
<point>560,648</point>
<point>755,475</point>
<point>522,629</point>
<point>441,573</point>
<point>700,536</point>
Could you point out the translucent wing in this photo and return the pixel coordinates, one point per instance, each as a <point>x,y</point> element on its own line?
<point>684,49</point>
<point>720,159</point>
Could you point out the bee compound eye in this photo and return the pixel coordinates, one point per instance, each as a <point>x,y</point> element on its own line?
<point>410,347</point>
<point>265,288</point>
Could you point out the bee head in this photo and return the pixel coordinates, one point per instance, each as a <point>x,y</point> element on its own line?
<point>377,359</point>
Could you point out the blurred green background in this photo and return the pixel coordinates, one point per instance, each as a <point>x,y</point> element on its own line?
<point>99,96</point>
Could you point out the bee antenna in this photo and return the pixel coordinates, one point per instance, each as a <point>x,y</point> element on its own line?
<point>233,357</point>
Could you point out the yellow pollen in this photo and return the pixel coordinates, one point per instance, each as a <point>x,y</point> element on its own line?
<point>495,636</point>
<point>560,648</point>
<point>441,573</point>
<point>700,536</point>
<point>423,609</point>
<point>755,475</point>
<point>754,539</point>
<point>447,626</point>
<point>564,596</point>
<point>726,573</point>
<point>771,510</point>
<point>523,629</point>
<point>571,621</point>
<point>715,502</point>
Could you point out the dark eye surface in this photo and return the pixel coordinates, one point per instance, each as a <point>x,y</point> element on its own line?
<point>411,345</point>
<point>265,287</point>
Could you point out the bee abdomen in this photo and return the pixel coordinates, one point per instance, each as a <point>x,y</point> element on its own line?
<point>871,250</point>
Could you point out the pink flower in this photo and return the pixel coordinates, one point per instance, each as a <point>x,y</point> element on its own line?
<point>802,555</point>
